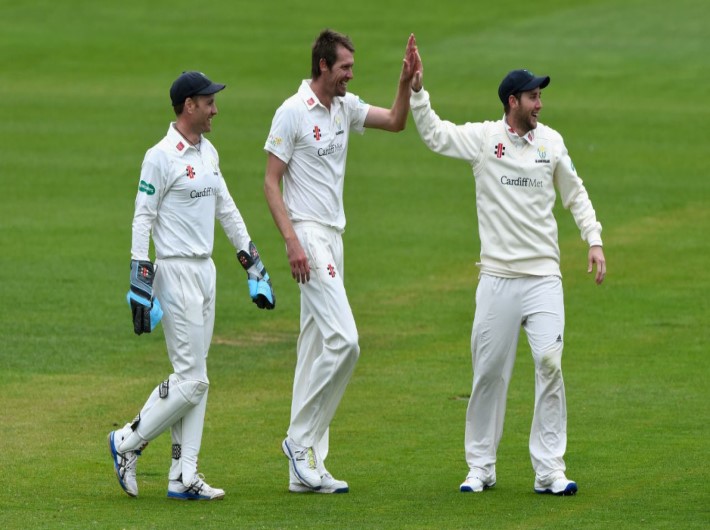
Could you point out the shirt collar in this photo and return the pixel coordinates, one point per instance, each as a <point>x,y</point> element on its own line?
<point>177,140</point>
<point>529,137</point>
<point>310,99</point>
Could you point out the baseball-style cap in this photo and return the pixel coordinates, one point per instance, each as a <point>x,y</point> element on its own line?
<point>520,81</point>
<point>192,84</point>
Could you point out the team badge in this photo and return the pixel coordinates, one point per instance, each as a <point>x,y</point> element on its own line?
<point>180,146</point>
<point>542,155</point>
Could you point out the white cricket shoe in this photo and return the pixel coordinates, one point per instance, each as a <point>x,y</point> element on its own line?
<point>328,484</point>
<point>124,464</point>
<point>557,484</point>
<point>199,490</point>
<point>475,484</point>
<point>303,463</point>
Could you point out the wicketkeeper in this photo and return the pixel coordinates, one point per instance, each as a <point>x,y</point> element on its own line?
<point>180,193</point>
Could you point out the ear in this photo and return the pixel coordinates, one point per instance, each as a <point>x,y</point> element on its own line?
<point>323,65</point>
<point>513,101</point>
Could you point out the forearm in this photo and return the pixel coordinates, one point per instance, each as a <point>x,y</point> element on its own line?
<point>400,107</point>
<point>231,219</point>
<point>277,208</point>
<point>393,119</point>
<point>441,136</point>
<point>140,238</point>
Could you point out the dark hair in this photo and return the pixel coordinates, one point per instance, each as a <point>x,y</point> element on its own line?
<point>326,47</point>
<point>506,105</point>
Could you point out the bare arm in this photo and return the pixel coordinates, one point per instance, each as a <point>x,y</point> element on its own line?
<point>394,119</point>
<point>275,169</point>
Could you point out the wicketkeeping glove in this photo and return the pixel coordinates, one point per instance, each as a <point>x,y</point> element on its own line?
<point>145,309</point>
<point>260,288</point>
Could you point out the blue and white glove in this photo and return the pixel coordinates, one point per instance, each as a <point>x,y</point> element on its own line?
<point>260,288</point>
<point>145,309</point>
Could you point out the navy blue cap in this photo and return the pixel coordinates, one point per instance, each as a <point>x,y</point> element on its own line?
<point>520,81</point>
<point>192,84</point>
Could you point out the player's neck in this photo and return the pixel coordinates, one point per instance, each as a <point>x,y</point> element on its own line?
<point>321,93</point>
<point>192,137</point>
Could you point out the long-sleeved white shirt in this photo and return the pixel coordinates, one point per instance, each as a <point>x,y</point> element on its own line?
<point>180,193</point>
<point>515,179</point>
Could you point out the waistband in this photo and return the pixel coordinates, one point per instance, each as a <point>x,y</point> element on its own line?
<point>194,259</point>
<point>316,225</point>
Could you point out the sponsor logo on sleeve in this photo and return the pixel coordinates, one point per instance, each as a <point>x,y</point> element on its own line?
<point>274,141</point>
<point>145,187</point>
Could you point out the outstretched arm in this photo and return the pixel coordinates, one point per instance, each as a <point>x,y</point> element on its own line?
<point>394,119</point>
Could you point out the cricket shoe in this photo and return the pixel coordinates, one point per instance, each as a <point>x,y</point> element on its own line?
<point>303,463</point>
<point>125,466</point>
<point>557,484</point>
<point>475,484</point>
<point>199,490</point>
<point>328,484</point>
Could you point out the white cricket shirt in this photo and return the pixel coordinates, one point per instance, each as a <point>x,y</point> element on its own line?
<point>180,193</point>
<point>515,179</point>
<point>313,142</point>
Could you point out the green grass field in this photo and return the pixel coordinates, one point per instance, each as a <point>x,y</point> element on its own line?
<point>84,92</point>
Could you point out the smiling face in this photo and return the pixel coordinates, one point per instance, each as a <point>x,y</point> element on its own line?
<point>335,79</point>
<point>202,112</point>
<point>524,111</point>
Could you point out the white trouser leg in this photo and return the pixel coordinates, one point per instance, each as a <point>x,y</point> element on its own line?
<point>324,366</point>
<point>186,290</point>
<point>544,303</point>
<point>309,348</point>
<point>192,426</point>
<point>494,339</point>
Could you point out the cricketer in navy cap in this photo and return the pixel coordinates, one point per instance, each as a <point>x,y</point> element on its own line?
<point>192,84</point>
<point>520,81</point>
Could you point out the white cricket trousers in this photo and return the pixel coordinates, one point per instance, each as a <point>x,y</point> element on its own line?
<point>503,305</point>
<point>186,288</point>
<point>327,349</point>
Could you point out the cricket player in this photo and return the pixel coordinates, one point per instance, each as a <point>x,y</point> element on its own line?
<point>180,193</point>
<point>518,163</point>
<point>307,149</point>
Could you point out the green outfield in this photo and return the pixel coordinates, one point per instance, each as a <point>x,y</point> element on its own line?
<point>84,92</point>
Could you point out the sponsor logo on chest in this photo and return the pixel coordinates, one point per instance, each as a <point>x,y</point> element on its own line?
<point>334,146</point>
